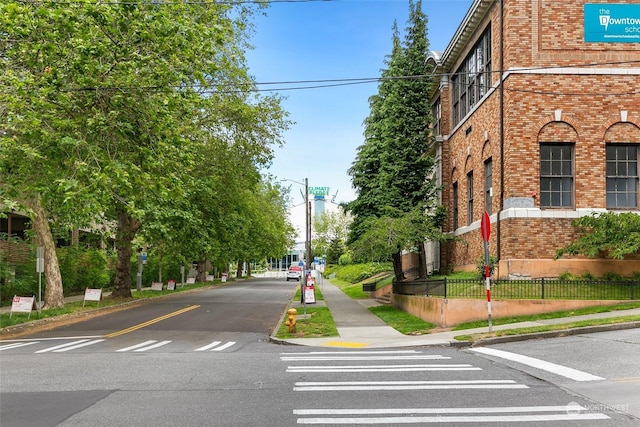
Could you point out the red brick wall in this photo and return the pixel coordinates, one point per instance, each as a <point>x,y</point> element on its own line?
<point>539,34</point>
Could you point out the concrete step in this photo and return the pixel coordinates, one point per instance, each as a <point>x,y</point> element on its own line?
<point>384,299</point>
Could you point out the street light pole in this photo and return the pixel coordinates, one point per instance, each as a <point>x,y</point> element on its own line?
<point>307,207</point>
<point>307,214</point>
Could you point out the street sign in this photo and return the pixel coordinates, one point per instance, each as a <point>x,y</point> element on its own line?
<point>485,226</point>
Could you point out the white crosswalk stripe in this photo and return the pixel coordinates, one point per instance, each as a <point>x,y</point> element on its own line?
<point>144,346</point>
<point>385,416</point>
<point>447,415</point>
<point>383,368</point>
<point>60,346</point>
<point>564,371</point>
<point>224,346</point>
<point>80,345</point>
<point>406,385</point>
<point>75,344</point>
<point>16,345</point>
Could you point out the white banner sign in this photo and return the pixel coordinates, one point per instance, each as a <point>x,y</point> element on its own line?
<point>22,304</point>
<point>156,286</point>
<point>92,294</point>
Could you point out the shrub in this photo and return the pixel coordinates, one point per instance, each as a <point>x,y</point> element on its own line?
<point>588,276</point>
<point>565,276</point>
<point>345,259</point>
<point>613,277</point>
<point>493,261</point>
<point>81,268</point>
<point>355,273</point>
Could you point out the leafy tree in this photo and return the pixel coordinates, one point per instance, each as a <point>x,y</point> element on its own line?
<point>391,171</point>
<point>109,111</point>
<point>608,234</point>
<point>330,234</point>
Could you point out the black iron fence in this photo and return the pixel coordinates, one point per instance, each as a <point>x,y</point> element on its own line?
<point>522,289</point>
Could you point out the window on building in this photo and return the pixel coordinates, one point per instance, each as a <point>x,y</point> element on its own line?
<point>622,176</point>
<point>469,198</point>
<point>488,185</point>
<point>472,79</point>
<point>436,114</point>
<point>556,175</point>
<point>455,205</point>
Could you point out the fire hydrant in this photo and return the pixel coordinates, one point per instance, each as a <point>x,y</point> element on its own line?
<point>291,319</point>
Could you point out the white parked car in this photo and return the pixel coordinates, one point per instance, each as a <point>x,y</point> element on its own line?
<point>294,273</point>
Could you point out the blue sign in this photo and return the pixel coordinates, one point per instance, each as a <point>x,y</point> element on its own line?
<point>612,23</point>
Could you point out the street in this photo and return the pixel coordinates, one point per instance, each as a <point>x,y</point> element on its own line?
<point>169,363</point>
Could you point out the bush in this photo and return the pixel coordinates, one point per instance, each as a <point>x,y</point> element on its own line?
<point>565,276</point>
<point>345,259</point>
<point>613,277</point>
<point>480,264</point>
<point>17,279</point>
<point>355,273</point>
<point>83,268</point>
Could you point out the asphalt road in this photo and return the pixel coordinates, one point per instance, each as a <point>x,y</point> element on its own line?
<point>208,362</point>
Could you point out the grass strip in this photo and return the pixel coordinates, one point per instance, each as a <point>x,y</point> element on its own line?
<point>547,328</point>
<point>552,315</point>
<point>402,321</point>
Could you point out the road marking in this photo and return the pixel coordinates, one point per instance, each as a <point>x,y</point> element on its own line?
<point>152,346</point>
<point>383,368</point>
<point>54,348</point>
<point>359,352</point>
<point>84,344</point>
<point>16,345</point>
<point>444,415</point>
<point>455,420</point>
<point>151,322</point>
<point>465,410</point>
<point>386,358</point>
<point>564,371</point>
<point>142,344</point>
<point>52,338</point>
<point>345,344</point>
<point>207,347</point>
<point>406,385</point>
<point>224,346</point>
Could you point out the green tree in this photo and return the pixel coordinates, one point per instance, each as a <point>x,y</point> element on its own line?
<point>118,105</point>
<point>330,233</point>
<point>608,234</point>
<point>392,171</point>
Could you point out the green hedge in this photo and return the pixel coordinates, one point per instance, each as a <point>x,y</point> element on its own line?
<point>355,273</point>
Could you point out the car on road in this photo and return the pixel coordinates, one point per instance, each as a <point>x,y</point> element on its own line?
<point>294,273</point>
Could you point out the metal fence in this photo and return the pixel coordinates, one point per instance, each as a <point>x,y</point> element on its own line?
<point>522,289</point>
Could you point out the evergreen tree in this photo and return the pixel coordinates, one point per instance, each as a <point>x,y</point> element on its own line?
<point>392,169</point>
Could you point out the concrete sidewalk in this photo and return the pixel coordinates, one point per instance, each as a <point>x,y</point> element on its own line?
<point>359,328</point>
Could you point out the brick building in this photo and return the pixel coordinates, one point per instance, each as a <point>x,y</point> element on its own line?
<point>537,122</point>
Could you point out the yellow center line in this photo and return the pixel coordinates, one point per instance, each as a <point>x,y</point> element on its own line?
<point>151,322</point>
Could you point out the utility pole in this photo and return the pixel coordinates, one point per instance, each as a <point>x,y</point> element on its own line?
<point>307,204</point>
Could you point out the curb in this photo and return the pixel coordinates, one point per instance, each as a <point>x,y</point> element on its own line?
<point>550,334</point>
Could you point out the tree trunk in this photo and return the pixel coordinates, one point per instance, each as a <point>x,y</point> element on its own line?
<point>248,269</point>
<point>127,228</point>
<point>422,261</point>
<point>239,269</point>
<point>53,291</point>
<point>397,265</point>
<point>201,277</point>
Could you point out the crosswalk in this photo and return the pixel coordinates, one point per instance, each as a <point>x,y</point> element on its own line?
<point>326,372</point>
<point>71,344</point>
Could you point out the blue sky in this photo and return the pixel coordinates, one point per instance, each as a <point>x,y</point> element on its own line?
<point>341,39</point>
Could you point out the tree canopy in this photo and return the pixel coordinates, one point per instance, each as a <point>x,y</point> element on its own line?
<point>137,115</point>
<point>608,234</point>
